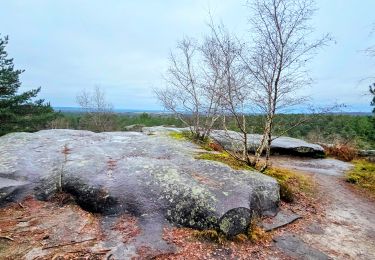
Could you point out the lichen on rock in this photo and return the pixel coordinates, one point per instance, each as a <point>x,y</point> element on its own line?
<point>153,175</point>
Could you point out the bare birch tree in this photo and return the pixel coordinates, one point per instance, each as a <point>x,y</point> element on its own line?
<point>223,52</point>
<point>99,115</point>
<point>277,58</point>
<point>190,94</point>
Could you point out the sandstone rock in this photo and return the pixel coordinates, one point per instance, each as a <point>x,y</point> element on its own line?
<point>282,219</point>
<point>134,128</point>
<point>293,246</point>
<point>9,189</point>
<point>283,145</point>
<point>152,177</point>
<point>232,141</point>
<point>366,153</point>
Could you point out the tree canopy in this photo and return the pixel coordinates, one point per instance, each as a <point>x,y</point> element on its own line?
<point>372,91</point>
<point>19,111</point>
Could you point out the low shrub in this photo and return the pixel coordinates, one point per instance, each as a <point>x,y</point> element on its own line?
<point>344,152</point>
<point>255,233</point>
<point>286,192</point>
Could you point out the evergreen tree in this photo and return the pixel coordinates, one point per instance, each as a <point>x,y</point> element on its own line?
<point>19,111</point>
<point>372,91</point>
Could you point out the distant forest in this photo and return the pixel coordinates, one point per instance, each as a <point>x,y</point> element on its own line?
<point>356,130</point>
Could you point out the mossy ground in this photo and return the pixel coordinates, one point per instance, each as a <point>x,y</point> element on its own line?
<point>291,183</point>
<point>363,176</point>
<point>205,143</point>
<point>226,158</point>
<point>254,234</point>
<point>180,135</point>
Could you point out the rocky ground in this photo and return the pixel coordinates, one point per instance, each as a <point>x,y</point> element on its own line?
<point>335,222</point>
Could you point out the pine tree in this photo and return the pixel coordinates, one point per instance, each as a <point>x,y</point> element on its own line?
<point>372,91</point>
<point>19,112</point>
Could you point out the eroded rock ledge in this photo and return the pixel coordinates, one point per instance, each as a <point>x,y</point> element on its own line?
<point>233,141</point>
<point>152,177</point>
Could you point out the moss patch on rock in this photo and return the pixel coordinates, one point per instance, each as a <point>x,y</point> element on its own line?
<point>226,158</point>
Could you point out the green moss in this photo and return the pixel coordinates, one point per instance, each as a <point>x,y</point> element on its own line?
<point>226,158</point>
<point>255,233</point>
<point>210,235</point>
<point>286,192</point>
<point>291,183</point>
<point>363,176</point>
<point>204,143</point>
<point>178,135</point>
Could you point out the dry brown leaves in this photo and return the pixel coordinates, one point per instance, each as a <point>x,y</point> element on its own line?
<point>128,227</point>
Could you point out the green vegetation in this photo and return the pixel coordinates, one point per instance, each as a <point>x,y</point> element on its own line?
<point>225,158</point>
<point>291,183</point>
<point>372,92</point>
<point>363,176</point>
<point>358,131</point>
<point>18,111</point>
<point>210,235</point>
<point>76,121</point>
<point>253,234</point>
<point>179,135</point>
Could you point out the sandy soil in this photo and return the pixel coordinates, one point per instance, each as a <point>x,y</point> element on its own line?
<point>348,229</point>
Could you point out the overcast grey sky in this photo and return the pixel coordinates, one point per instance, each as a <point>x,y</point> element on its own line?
<point>123,46</point>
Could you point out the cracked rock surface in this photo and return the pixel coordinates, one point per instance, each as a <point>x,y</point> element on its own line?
<point>151,177</point>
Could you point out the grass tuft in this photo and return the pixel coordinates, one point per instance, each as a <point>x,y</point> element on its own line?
<point>210,235</point>
<point>363,176</point>
<point>291,183</point>
<point>255,233</point>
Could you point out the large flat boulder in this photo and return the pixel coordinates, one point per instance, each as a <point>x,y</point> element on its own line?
<point>153,177</point>
<point>233,141</point>
<point>282,145</point>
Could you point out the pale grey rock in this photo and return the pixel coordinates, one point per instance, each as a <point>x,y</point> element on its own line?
<point>293,246</point>
<point>9,189</point>
<point>233,141</point>
<point>134,128</point>
<point>149,175</point>
<point>282,219</point>
<point>283,145</point>
<point>365,153</point>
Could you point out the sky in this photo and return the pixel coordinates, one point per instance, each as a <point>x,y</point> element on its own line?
<point>66,46</point>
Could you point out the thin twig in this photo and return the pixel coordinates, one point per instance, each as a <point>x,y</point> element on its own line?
<point>6,237</point>
<point>68,244</point>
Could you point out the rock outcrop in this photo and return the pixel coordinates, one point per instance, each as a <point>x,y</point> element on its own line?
<point>282,145</point>
<point>152,177</point>
<point>232,141</point>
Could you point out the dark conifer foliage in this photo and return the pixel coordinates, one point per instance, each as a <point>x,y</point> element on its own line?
<point>372,91</point>
<point>19,111</point>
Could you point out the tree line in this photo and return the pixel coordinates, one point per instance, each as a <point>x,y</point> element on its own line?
<point>213,82</point>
